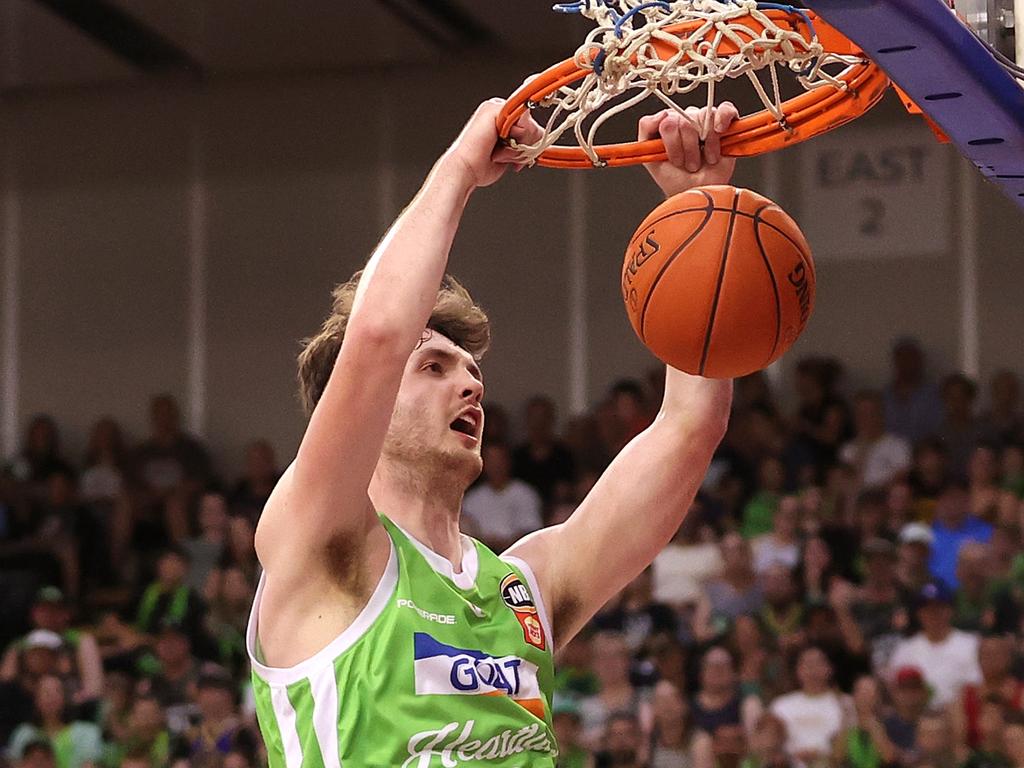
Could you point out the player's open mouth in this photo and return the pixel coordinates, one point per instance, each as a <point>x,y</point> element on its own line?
<point>468,423</point>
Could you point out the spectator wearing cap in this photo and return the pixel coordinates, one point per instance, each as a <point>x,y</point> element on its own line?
<point>40,655</point>
<point>913,556</point>
<point>76,744</point>
<point>909,695</point>
<point>947,657</point>
<point>878,457</point>
<point>80,663</point>
<point>954,525</point>
<point>995,658</point>
<point>912,406</point>
<point>815,713</point>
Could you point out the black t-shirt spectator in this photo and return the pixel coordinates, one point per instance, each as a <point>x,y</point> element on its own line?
<point>544,469</point>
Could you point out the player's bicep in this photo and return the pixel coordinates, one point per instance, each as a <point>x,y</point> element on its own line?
<point>323,495</point>
<point>631,513</point>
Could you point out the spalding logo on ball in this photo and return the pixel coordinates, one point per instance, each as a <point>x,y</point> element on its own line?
<point>718,281</point>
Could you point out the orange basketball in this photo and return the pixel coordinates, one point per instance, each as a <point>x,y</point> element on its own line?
<point>718,281</point>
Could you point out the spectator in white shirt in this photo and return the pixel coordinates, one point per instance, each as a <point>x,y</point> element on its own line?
<point>502,509</point>
<point>877,456</point>
<point>782,544</point>
<point>948,657</point>
<point>815,714</point>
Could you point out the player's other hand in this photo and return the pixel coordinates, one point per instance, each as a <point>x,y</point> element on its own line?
<point>691,162</point>
<point>477,150</point>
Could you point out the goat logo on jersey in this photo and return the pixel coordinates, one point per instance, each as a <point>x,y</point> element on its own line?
<point>444,669</point>
<point>517,597</point>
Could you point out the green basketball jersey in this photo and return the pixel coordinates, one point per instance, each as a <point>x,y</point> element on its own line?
<point>438,670</point>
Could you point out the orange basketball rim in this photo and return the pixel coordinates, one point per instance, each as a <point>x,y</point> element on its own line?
<point>804,116</point>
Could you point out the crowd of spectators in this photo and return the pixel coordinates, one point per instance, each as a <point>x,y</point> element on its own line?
<point>847,589</point>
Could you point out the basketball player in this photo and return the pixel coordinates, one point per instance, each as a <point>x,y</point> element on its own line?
<point>381,636</point>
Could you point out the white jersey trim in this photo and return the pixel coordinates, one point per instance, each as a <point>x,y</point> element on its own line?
<point>538,598</point>
<point>466,578</point>
<point>325,657</point>
<point>285,714</point>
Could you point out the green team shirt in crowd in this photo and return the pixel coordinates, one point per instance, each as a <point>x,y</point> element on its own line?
<point>440,670</point>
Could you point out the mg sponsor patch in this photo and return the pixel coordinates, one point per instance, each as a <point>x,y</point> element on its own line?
<point>447,670</point>
<point>516,596</point>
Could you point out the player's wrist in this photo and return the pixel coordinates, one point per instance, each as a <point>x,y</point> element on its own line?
<point>456,170</point>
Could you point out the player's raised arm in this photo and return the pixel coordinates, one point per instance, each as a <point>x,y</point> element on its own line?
<point>323,495</point>
<point>640,501</point>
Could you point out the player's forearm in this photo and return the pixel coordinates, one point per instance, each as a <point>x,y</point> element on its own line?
<point>399,285</point>
<point>698,407</point>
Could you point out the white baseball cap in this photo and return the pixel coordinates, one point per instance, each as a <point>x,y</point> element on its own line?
<point>917,533</point>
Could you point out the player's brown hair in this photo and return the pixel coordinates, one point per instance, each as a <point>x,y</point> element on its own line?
<point>455,315</point>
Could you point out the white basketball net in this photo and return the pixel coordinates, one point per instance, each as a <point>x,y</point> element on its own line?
<point>626,30</point>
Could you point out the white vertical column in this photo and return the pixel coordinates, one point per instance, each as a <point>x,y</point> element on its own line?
<point>1018,29</point>
<point>198,202</point>
<point>970,347</point>
<point>579,378</point>
<point>11,254</point>
<point>10,247</point>
<point>771,187</point>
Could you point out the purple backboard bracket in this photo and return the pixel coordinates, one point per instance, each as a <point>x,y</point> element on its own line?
<point>948,72</point>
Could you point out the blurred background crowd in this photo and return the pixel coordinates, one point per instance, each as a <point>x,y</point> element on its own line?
<point>847,590</point>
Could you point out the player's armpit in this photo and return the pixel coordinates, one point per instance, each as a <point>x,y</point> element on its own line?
<point>634,509</point>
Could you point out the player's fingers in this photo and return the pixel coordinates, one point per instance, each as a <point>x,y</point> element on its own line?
<point>505,154</point>
<point>725,114</point>
<point>669,132</point>
<point>647,127</point>
<point>526,130</point>
<point>690,140</point>
<point>713,148</point>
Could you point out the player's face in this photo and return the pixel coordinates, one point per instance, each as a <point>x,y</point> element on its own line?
<point>438,414</point>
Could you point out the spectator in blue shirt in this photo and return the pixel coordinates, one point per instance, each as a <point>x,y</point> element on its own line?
<point>954,525</point>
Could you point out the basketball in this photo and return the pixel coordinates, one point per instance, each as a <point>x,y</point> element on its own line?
<point>718,281</point>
